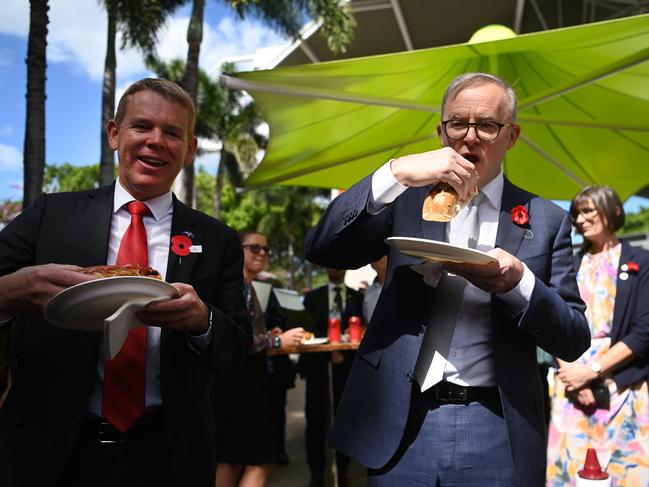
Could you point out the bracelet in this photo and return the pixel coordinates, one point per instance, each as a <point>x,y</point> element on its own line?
<point>277,341</point>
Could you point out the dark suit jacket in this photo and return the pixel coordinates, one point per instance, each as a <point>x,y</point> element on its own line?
<point>55,369</point>
<point>316,303</point>
<point>631,315</point>
<point>372,414</point>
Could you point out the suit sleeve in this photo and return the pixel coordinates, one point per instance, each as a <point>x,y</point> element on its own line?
<point>347,236</point>
<point>18,239</point>
<point>555,314</point>
<point>230,327</point>
<point>638,337</point>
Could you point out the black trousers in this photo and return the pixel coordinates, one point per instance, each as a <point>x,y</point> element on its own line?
<point>104,457</point>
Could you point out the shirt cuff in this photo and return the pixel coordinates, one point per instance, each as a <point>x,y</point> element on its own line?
<point>385,189</point>
<point>519,297</point>
<point>201,343</point>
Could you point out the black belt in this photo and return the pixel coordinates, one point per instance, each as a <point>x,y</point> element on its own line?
<point>103,432</point>
<point>452,393</point>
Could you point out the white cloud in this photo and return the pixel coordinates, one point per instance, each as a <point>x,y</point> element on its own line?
<point>15,18</point>
<point>10,157</point>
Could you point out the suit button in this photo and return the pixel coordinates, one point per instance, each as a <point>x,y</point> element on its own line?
<point>410,376</point>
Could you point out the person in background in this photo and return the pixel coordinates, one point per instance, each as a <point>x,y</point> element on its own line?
<point>601,400</point>
<point>445,388</point>
<point>335,298</point>
<point>242,410</point>
<point>373,292</point>
<point>72,417</point>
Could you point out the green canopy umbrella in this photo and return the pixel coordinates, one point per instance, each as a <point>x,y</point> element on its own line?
<point>583,107</point>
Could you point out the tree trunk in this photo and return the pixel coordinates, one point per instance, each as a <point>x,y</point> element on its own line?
<point>190,83</point>
<point>107,160</point>
<point>218,187</point>
<point>34,148</point>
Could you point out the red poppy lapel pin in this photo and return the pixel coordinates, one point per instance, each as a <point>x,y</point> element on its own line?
<point>630,267</point>
<point>520,215</point>
<point>181,246</point>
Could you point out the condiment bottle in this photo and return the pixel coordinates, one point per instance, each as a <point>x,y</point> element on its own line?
<point>354,329</point>
<point>592,474</point>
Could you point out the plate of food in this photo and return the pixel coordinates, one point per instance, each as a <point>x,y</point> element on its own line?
<point>435,251</point>
<point>311,339</point>
<point>86,305</point>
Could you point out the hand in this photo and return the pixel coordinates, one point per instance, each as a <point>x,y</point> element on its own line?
<point>30,288</point>
<point>337,358</point>
<point>495,277</point>
<point>583,400</point>
<point>575,376</point>
<point>431,167</point>
<point>185,312</point>
<point>292,337</point>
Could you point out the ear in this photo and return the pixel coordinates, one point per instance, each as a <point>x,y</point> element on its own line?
<point>192,145</point>
<point>440,135</point>
<point>113,133</point>
<point>514,133</point>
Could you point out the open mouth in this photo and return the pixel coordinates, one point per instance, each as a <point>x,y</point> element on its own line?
<point>151,161</point>
<point>472,158</point>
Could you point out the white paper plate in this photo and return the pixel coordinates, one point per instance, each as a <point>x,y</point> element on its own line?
<point>435,251</point>
<point>86,305</point>
<point>315,341</point>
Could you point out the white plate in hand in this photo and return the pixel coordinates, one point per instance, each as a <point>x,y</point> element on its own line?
<point>435,251</point>
<point>315,341</point>
<point>86,305</point>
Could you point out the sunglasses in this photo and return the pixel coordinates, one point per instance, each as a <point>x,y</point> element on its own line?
<point>256,248</point>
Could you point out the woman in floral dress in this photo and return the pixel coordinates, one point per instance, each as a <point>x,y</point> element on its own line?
<point>601,401</point>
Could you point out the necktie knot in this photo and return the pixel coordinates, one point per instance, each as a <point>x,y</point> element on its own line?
<point>478,199</point>
<point>137,208</point>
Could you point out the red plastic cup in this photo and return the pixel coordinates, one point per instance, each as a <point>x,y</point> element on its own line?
<point>334,330</point>
<point>355,332</point>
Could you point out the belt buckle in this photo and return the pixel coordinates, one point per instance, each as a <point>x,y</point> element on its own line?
<point>446,393</point>
<point>108,435</point>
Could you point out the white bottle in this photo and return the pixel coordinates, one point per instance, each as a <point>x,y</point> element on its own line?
<point>592,474</point>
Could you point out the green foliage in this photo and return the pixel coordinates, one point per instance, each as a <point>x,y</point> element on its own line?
<point>636,222</point>
<point>67,177</point>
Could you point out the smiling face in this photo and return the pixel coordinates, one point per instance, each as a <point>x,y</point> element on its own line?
<point>590,222</point>
<point>481,102</point>
<point>254,263</point>
<point>153,143</point>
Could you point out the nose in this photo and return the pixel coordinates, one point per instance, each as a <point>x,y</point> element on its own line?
<point>580,218</point>
<point>156,137</point>
<point>471,137</point>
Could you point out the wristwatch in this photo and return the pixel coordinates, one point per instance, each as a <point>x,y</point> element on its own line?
<point>596,367</point>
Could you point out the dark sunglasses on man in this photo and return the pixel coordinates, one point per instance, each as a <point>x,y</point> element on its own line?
<point>256,248</point>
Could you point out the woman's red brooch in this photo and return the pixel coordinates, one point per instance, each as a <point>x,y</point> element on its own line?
<point>631,267</point>
<point>520,215</point>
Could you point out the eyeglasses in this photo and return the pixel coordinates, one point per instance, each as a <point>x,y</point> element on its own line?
<point>486,130</point>
<point>587,211</point>
<point>256,248</point>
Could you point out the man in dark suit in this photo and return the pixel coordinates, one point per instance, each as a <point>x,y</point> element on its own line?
<point>319,303</point>
<point>445,388</point>
<point>55,426</point>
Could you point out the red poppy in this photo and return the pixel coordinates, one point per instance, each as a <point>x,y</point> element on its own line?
<point>180,245</point>
<point>632,267</point>
<point>519,215</point>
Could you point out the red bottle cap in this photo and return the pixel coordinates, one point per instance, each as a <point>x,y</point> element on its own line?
<point>592,470</point>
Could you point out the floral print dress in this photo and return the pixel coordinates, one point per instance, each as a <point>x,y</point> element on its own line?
<point>620,434</point>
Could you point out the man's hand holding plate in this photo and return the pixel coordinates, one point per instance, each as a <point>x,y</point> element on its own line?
<point>494,277</point>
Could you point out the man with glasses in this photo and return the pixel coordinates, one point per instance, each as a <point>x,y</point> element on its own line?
<point>445,388</point>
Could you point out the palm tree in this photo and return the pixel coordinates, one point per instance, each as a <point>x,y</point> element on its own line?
<point>139,23</point>
<point>34,148</point>
<point>285,16</point>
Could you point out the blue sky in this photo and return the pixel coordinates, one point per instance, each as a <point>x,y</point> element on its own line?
<point>75,56</point>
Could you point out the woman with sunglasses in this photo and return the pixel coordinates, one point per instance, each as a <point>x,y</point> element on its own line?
<point>601,400</point>
<point>246,447</point>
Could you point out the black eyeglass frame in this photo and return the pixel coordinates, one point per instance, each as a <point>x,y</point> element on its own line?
<point>475,126</point>
<point>256,248</point>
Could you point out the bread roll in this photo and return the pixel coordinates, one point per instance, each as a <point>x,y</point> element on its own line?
<point>441,204</point>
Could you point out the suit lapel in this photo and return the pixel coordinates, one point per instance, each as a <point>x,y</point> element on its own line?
<point>623,289</point>
<point>510,235</point>
<point>95,213</point>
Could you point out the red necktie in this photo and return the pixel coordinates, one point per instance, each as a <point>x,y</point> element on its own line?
<point>124,375</point>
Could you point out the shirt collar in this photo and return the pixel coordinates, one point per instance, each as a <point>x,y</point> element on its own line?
<point>158,206</point>
<point>493,190</point>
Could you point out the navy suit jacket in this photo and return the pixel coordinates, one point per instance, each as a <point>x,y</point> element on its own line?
<point>55,369</point>
<point>631,315</point>
<point>372,415</point>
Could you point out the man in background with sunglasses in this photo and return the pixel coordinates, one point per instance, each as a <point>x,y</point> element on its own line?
<point>445,389</point>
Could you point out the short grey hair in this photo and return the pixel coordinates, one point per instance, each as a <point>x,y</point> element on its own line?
<point>467,80</point>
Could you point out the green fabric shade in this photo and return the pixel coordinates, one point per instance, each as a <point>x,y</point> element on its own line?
<point>583,108</point>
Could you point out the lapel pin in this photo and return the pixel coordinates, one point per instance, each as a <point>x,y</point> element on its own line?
<point>529,234</point>
<point>624,276</point>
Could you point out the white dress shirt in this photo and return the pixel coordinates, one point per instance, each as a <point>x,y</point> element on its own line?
<point>470,360</point>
